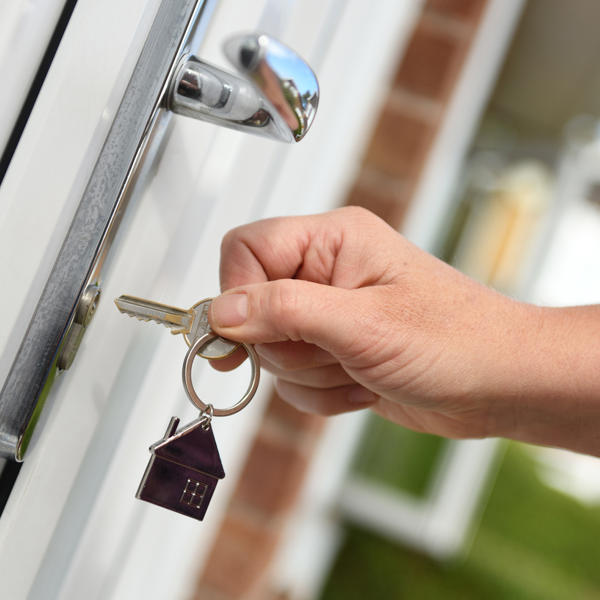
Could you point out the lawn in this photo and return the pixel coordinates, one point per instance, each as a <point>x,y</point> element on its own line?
<point>532,542</point>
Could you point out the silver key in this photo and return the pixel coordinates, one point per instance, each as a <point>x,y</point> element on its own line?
<point>192,323</point>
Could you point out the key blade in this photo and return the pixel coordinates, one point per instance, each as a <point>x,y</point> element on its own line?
<point>148,310</point>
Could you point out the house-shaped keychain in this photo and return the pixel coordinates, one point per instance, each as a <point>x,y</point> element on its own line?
<point>184,469</point>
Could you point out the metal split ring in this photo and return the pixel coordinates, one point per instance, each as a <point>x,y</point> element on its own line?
<point>189,386</point>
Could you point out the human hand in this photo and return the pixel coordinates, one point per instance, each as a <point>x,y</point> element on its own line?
<point>347,314</point>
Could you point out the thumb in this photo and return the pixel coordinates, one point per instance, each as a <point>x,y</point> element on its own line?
<point>290,309</point>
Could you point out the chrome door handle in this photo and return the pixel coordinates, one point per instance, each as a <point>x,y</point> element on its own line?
<point>277,97</point>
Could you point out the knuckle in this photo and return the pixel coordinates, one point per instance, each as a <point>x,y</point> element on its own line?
<point>230,239</point>
<point>354,210</point>
<point>283,304</point>
<point>359,213</point>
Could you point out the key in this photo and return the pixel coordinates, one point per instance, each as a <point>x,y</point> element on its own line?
<point>192,323</point>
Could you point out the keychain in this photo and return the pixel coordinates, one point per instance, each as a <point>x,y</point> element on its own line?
<point>185,466</point>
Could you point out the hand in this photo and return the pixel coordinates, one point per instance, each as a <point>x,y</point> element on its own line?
<point>348,314</point>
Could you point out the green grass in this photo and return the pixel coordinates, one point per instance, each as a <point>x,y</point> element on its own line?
<point>533,543</point>
<point>398,457</point>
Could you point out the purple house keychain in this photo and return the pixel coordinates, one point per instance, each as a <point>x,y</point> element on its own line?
<point>184,469</point>
<point>185,466</point>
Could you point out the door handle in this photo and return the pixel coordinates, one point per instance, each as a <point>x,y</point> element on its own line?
<point>277,96</point>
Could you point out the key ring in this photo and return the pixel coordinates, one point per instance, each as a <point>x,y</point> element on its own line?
<point>189,386</point>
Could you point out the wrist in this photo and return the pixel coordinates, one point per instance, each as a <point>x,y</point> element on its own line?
<point>552,381</point>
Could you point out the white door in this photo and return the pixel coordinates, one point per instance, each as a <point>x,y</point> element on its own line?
<point>72,526</point>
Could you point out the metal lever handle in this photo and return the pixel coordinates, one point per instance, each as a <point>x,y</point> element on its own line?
<point>277,97</point>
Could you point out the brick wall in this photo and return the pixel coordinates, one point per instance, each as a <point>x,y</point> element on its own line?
<point>266,491</point>
<point>415,106</point>
<point>238,565</point>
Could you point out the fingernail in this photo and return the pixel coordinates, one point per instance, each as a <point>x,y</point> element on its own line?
<point>229,310</point>
<point>361,395</point>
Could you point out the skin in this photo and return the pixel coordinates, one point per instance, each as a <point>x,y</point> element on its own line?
<point>347,314</point>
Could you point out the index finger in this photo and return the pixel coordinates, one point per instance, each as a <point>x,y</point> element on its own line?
<point>348,247</point>
<point>263,251</point>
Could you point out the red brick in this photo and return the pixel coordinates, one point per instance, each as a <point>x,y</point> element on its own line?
<point>464,10</point>
<point>400,142</point>
<point>431,62</point>
<point>387,199</point>
<point>273,474</point>
<point>238,560</point>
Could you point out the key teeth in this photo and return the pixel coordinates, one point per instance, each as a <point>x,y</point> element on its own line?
<point>151,320</point>
<point>147,319</point>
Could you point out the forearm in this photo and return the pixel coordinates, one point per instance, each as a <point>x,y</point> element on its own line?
<point>553,387</point>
